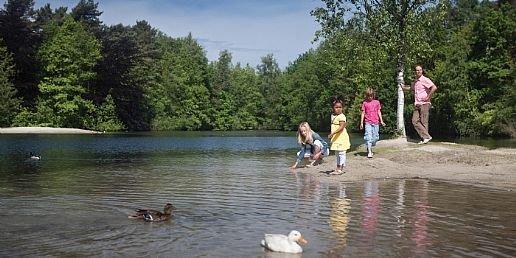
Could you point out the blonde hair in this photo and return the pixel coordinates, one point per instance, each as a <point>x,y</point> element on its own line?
<point>301,139</point>
<point>369,92</point>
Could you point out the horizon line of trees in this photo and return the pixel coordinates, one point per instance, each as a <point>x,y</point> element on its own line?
<point>65,68</point>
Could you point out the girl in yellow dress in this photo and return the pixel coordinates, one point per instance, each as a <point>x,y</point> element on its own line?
<point>339,137</point>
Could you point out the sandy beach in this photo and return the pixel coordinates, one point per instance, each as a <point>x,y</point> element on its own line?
<point>397,158</point>
<point>44,130</point>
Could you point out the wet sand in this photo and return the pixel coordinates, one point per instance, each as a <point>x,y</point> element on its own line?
<point>397,158</point>
<point>44,130</point>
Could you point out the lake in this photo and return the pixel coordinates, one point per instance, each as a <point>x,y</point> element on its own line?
<point>228,189</point>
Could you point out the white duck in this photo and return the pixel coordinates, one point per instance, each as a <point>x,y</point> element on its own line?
<point>34,157</point>
<point>285,244</point>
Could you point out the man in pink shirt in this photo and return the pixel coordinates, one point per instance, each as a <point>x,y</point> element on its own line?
<point>423,88</point>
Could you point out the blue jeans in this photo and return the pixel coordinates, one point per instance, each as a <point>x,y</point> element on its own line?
<point>371,135</point>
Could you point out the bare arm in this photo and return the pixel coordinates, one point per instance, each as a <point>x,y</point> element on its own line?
<point>362,120</point>
<point>432,90</point>
<point>342,125</point>
<point>380,116</point>
<point>405,87</point>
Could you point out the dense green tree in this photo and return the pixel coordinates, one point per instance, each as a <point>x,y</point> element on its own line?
<point>106,118</point>
<point>86,11</point>
<point>248,99</point>
<point>181,99</point>
<point>223,103</point>
<point>116,74</point>
<point>67,58</point>
<point>9,103</point>
<point>45,15</point>
<point>269,84</point>
<point>145,72</point>
<point>20,38</point>
<point>491,67</point>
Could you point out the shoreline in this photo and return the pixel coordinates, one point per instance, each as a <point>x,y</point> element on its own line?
<point>45,130</point>
<point>442,161</point>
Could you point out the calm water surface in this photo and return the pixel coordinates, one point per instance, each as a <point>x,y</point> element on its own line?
<point>229,189</point>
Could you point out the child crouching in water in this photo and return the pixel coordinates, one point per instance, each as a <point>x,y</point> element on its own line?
<point>309,139</point>
<point>372,115</point>
<point>339,137</point>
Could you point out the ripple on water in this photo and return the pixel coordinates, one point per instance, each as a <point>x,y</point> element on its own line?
<point>77,205</point>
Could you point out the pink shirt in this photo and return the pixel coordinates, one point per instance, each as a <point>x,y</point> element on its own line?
<point>421,90</point>
<point>371,108</point>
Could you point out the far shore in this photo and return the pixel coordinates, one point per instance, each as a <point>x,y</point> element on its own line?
<point>45,130</point>
<point>443,161</point>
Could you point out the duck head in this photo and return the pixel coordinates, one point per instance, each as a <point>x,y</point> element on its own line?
<point>296,236</point>
<point>168,209</point>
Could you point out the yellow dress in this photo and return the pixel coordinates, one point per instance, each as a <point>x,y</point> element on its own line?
<point>339,141</point>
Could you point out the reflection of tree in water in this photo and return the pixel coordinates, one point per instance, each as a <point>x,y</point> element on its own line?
<point>339,218</point>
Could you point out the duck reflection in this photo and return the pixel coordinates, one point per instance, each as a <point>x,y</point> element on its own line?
<point>339,217</point>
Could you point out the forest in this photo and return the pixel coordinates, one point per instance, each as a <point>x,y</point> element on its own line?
<point>65,68</point>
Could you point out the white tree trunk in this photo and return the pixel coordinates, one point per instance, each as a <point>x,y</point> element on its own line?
<point>401,103</point>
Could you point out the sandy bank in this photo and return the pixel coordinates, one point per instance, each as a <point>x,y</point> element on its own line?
<point>467,164</point>
<point>44,130</point>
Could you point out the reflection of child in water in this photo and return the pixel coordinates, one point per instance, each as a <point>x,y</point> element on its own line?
<point>370,209</point>
<point>339,218</point>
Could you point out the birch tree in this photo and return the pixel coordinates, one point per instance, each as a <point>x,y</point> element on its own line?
<point>393,24</point>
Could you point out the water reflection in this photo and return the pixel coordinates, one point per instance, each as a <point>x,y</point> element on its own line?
<point>420,220</point>
<point>370,213</point>
<point>399,207</point>
<point>340,206</point>
<point>75,202</point>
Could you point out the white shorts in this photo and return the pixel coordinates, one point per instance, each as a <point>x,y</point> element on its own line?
<point>325,152</point>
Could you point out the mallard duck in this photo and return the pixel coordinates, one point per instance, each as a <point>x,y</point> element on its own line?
<point>154,215</point>
<point>34,157</point>
<point>285,244</point>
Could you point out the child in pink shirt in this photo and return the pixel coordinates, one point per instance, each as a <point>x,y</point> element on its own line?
<point>372,116</point>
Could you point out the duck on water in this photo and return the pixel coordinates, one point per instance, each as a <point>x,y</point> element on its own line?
<point>154,215</point>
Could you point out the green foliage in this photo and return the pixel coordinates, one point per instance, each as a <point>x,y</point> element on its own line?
<point>181,98</point>
<point>67,58</point>
<point>21,38</point>
<point>126,72</point>
<point>247,99</point>
<point>106,118</point>
<point>9,103</point>
<point>86,12</point>
<point>476,74</point>
<point>269,84</point>
<point>138,78</point>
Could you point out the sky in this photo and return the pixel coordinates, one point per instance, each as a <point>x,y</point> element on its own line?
<point>249,29</point>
